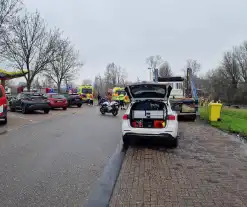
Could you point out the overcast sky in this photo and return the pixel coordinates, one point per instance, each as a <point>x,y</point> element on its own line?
<point>128,31</point>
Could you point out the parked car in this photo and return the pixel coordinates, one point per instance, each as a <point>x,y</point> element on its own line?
<point>57,101</point>
<point>149,116</point>
<point>3,106</point>
<point>30,101</point>
<point>74,99</point>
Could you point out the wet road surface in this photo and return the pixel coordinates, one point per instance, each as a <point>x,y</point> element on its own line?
<point>56,162</point>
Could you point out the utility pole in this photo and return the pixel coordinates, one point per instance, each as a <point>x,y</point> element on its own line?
<point>188,91</point>
<point>154,73</point>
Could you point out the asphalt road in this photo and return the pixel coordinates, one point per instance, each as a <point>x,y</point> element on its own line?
<point>56,162</point>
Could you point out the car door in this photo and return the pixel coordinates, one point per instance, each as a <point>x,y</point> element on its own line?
<point>17,102</point>
<point>3,102</point>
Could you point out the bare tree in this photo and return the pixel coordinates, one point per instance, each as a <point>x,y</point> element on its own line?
<point>194,65</point>
<point>111,74</point>
<point>29,46</point>
<point>47,82</point>
<point>115,75</point>
<point>66,64</point>
<point>36,83</point>
<point>154,61</point>
<point>217,85</point>
<point>99,84</point>
<point>223,82</point>
<point>8,10</point>
<point>228,82</point>
<point>230,68</point>
<point>240,54</point>
<point>165,70</point>
<point>121,76</point>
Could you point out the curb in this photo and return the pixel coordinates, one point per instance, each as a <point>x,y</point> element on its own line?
<point>102,191</point>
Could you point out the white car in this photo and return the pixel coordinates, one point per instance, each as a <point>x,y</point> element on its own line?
<point>149,115</point>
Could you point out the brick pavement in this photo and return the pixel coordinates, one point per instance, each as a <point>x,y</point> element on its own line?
<point>208,169</point>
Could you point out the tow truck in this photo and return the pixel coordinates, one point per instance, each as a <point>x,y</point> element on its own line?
<point>184,100</point>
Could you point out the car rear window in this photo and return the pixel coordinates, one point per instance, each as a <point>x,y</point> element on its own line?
<point>58,96</point>
<point>121,92</point>
<point>148,91</point>
<point>32,95</point>
<point>37,97</point>
<point>87,90</point>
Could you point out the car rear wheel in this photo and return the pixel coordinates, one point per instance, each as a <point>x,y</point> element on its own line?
<point>5,121</point>
<point>69,104</point>
<point>65,108</point>
<point>46,111</point>
<point>12,109</point>
<point>23,109</point>
<point>126,142</point>
<point>79,105</point>
<point>174,143</point>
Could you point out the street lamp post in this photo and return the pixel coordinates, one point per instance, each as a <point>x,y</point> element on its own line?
<point>150,73</point>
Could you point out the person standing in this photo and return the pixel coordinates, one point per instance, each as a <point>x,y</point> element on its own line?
<point>121,100</point>
<point>99,98</point>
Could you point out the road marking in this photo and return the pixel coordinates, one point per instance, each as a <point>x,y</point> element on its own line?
<point>21,117</point>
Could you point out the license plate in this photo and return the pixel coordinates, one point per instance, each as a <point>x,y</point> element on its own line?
<point>59,101</point>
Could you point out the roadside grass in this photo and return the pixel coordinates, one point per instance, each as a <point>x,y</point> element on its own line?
<point>232,120</point>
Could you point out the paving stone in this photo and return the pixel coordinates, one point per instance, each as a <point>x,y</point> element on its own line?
<point>209,168</point>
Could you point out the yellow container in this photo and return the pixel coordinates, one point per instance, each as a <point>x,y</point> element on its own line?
<point>214,111</point>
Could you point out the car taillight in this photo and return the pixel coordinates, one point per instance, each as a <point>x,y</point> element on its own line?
<point>125,117</point>
<point>5,105</point>
<point>171,117</point>
<point>159,124</point>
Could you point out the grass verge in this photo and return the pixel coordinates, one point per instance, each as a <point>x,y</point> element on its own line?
<point>232,120</point>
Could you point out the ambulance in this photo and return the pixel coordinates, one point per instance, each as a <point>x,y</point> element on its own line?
<point>117,91</point>
<point>86,93</point>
